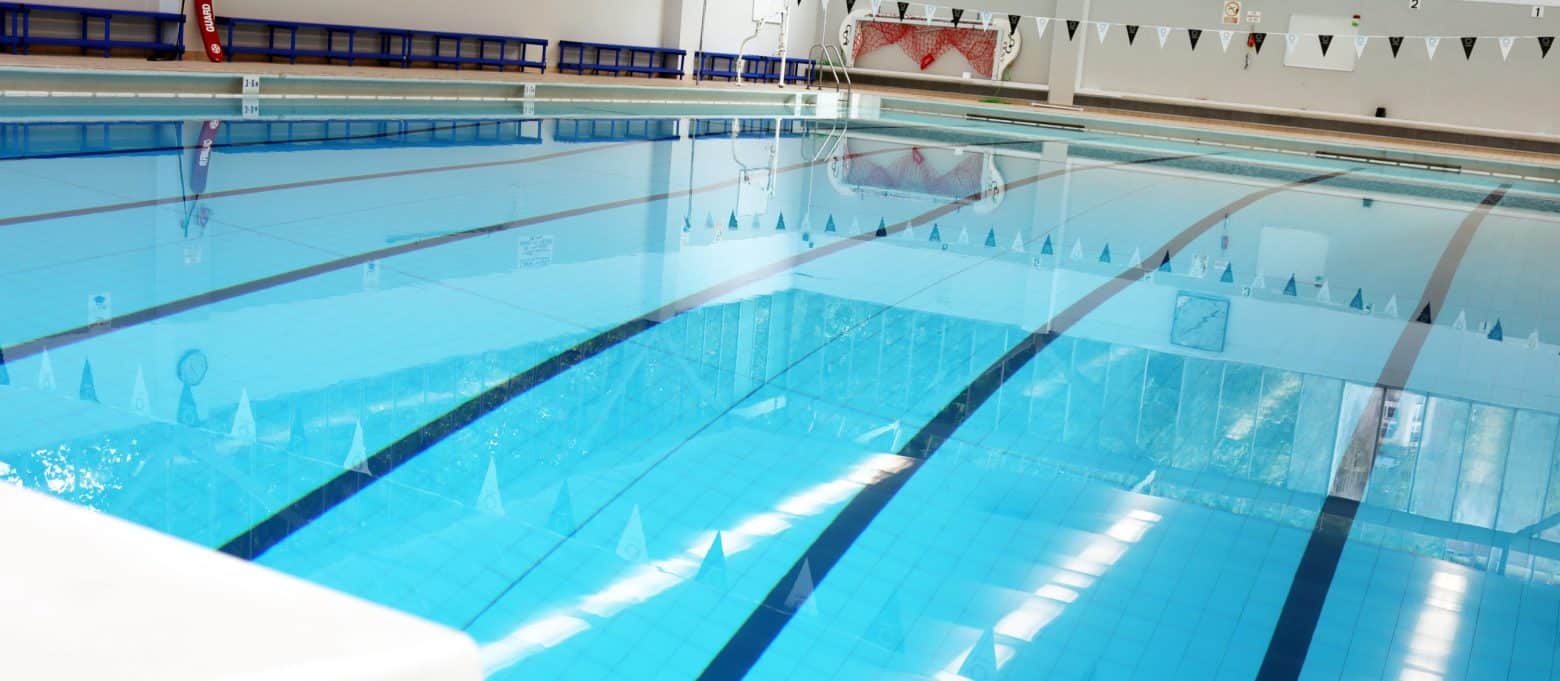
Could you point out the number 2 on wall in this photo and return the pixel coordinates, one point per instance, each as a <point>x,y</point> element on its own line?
<point>1413,4</point>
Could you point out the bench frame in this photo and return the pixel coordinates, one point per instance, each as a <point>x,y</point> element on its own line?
<point>659,61</point>
<point>395,45</point>
<point>16,29</point>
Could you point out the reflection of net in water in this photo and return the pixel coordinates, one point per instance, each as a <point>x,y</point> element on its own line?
<point>912,173</point>
<point>925,44</point>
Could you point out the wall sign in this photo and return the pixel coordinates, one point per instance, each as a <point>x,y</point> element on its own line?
<point>1232,12</point>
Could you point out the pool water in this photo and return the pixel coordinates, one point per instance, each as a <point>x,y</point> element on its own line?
<point>632,397</point>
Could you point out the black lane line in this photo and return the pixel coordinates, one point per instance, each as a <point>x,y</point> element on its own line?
<point>1297,621</point>
<point>744,648</point>
<point>156,312</point>
<point>272,530</point>
<point>302,184</point>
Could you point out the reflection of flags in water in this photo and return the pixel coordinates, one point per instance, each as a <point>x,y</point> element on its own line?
<point>199,172</point>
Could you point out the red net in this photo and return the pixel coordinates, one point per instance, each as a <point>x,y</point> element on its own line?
<point>914,173</point>
<point>925,44</point>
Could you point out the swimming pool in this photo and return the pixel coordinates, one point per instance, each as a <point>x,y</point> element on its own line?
<point>642,396</point>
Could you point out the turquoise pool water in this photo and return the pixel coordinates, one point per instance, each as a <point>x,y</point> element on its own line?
<point>666,398</point>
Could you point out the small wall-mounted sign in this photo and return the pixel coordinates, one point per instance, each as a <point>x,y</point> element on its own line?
<point>1232,12</point>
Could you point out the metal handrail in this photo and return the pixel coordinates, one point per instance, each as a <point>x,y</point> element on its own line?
<point>830,53</point>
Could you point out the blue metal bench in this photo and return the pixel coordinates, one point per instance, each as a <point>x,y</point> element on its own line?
<point>651,61</point>
<point>615,129</point>
<point>755,67</point>
<point>385,45</point>
<point>167,29</point>
<point>492,50</point>
<point>269,136</point>
<point>11,26</point>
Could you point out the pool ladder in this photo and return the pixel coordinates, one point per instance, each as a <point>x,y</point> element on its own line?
<point>836,58</point>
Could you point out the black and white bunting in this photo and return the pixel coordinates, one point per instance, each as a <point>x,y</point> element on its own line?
<point>1040,23</point>
<point>1396,42</point>
<point>1467,43</point>
<point>1224,40</point>
<point>904,7</point>
<point>1072,28</point>
<point>1432,42</point>
<point>850,6</point>
<point>1013,20</point>
<point>1256,41</point>
<point>1195,34</point>
<point>1359,45</point>
<point>1544,43</point>
<point>1325,41</point>
<point>957,15</point>
<point>1131,33</point>
<point>1505,47</point>
<point>1164,32</point>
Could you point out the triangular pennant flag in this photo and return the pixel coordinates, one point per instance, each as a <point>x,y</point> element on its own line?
<point>1544,43</point>
<point>850,6</point>
<point>800,597</point>
<point>930,11</point>
<point>1105,253</point>
<point>957,15</point>
<point>1137,258</point>
<point>1259,282</point>
<point>1358,301</point>
<point>936,236</point>
<point>561,519</point>
<point>489,499</point>
<point>244,429</point>
<point>1018,244</point>
<point>140,401</point>
<point>1077,250</point>
<point>709,220</point>
<point>1324,294</point>
<point>46,373</point>
<point>1496,332</point>
<point>712,570</point>
<point>88,390</point>
<point>1046,248</point>
<point>631,544</point>
<point>1224,39</point>
<point>1013,20</point>
<point>357,454</point>
<point>829,226</point>
<point>1505,47</point>
<point>1325,41</point>
<point>964,236</point>
<point>1199,267</point>
<point>1195,34</point>
<point>1290,41</point>
<point>877,5</point>
<point>1072,28</point>
<point>1131,33</point>
<point>903,8</point>
<point>909,231</point>
<point>1164,33</point>
<point>1101,28</point>
<point>1424,316</point>
<point>882,229</point>
<point>1431,42</point>
<point>981,662</point>
<point>188,414</point>
<point>1391,308</point>
<point>1461,322</point>
<point>780,224</point>
<point>755,225</point>
<point>1396,43</point>
<point>1532,341</point>
<point>1291,287</point>
<point>985,20</point>
<point>991,238</point>
<point>1228,277</point>
<point>1164,265</point>
<point>1467,43</point>
<point>1359,45</point>
<point>732,222</point>
<point>1256,41</point>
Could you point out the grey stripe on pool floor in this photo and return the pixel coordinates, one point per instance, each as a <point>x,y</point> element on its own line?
<point>275,528</point>
<point>765,623</point>
<point>1302,609</point>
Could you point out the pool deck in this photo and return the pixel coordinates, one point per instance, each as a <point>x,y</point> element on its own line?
<point>1016,104</point>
